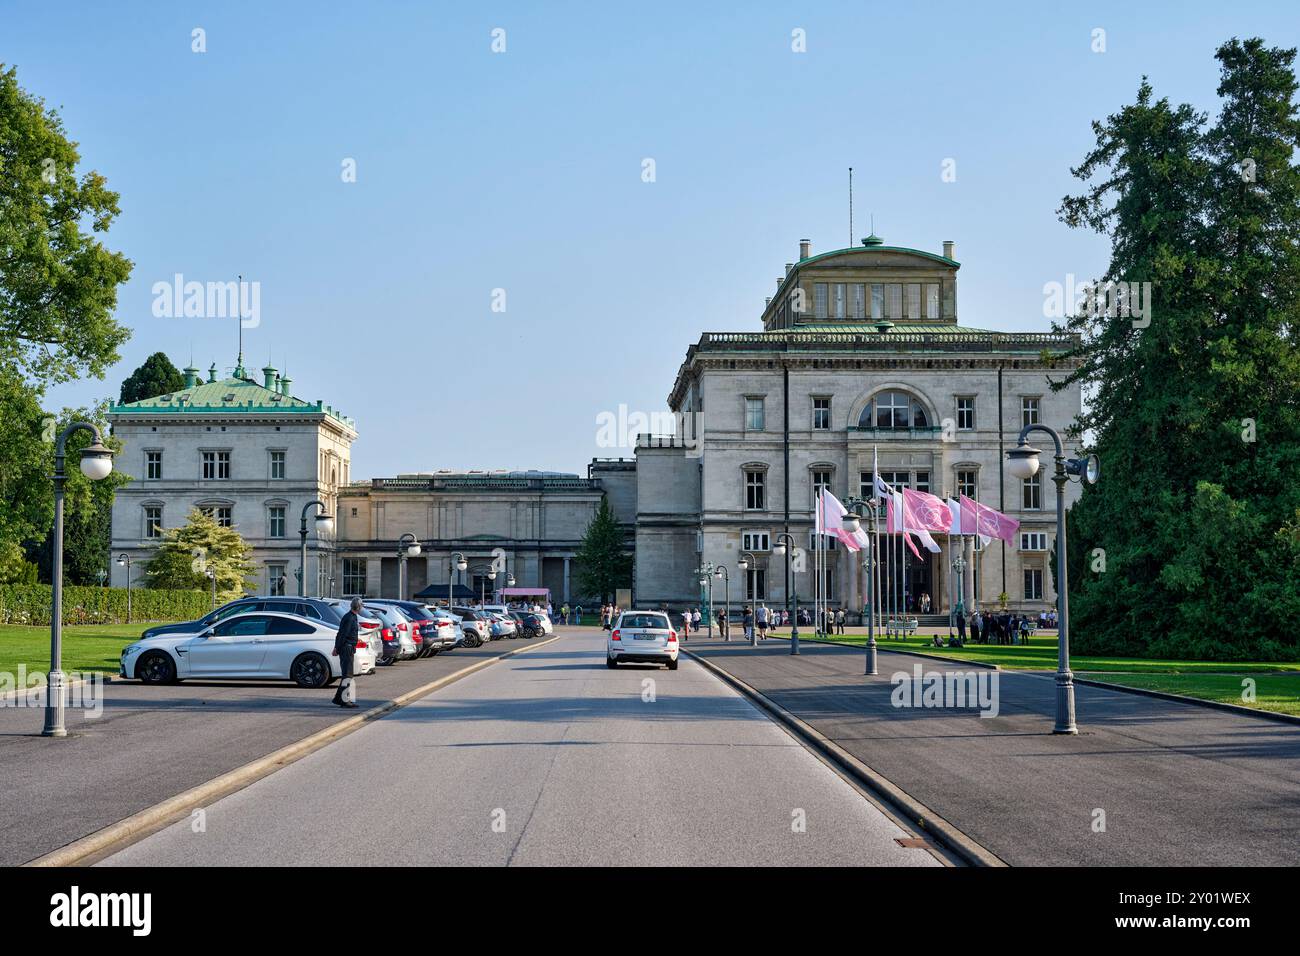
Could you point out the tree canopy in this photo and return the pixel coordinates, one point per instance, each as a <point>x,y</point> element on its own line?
<point>156,376</point>
<point>201,544</point>
<point>604,564</point>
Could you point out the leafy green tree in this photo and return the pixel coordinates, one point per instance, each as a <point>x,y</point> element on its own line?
<point>157,376</point>
<point>58,283</point>
<point>604,564</point>
<point>188,552</point>
<point>1194,415</point>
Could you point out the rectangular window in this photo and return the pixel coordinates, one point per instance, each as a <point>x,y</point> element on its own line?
<point>1032,493</point>
<point>354,575</point>
<point>932,300</point>
<point>153,465</point>
<point>755,491</point>
<point>966,484</point>
<point>755,541</point>
<point>923,481</point>
<point>754,417</point>
<point>1033,541</point>
<point>216,465</point>
<point>965,412</point>
<point>277,466</point>
<point>821,418</point>
<point>913,300</point>
<point>275,515</point>
<point>275,580</point>
<point>1028,411</point>
<point>866,484</point>
<point>821,542</point>
<point>756,584</point>
<point>894,309</point>
<point>859,300</point>
<point>819,299</point>
<point>1033,584</point>
<point>821,481</point>
<point>841,300</point>
<point>877,301</point>
<point>153,521</point>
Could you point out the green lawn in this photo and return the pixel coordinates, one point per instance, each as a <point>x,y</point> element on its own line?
<point>86,647</point>
<point>1277,684</point>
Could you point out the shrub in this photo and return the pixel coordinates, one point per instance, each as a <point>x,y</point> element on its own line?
<point>30,604</point>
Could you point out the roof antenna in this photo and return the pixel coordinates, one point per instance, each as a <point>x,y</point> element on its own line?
<point>239,314</point>
<point>850,207</point>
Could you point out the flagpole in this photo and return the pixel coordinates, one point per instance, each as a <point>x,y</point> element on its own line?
<point>875,570</point>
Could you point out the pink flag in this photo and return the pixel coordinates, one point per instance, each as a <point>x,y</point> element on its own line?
<point>925,511</point>
<point>987,521</point>
<point>830,520</point>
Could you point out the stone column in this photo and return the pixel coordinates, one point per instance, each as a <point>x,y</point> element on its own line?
<point>566,579</point>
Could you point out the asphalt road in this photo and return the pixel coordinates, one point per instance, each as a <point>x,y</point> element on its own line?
<point>151,743</point>
<point>549,758</point>
<point>1147,782</point>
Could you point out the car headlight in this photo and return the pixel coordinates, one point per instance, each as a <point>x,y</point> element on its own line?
<point>130,649</point>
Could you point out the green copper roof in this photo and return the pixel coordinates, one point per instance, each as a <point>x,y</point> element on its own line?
<point>230,395</point>
<point>869,328</point>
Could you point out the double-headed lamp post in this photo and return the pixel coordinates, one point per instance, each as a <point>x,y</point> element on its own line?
<point>324,525</point>
<point>455,563</point>
<point>96,464</point>
<point>723,573</point>
<point>791,588</point>
<point>408,546</point>
<point>748,560</point>
<point>124,561</point>
<point>852,522</point>
<point>1022,462</point>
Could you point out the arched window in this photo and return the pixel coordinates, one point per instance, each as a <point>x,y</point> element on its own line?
<point>894,410</point>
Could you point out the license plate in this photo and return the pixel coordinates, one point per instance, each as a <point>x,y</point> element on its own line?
<point>644,637</point>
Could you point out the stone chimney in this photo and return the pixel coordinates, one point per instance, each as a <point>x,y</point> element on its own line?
<point>788,267</point>
<point>805,249</point>
<point>948,248</point>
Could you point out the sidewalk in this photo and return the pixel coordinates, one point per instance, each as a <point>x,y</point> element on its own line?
<point>1179,784</point>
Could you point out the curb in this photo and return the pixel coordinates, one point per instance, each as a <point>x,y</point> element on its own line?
<point>951,838</point>
<point>151,818</point>
<point>1198,701</point>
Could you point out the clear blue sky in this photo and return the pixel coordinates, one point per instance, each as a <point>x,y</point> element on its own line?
<point>522,171</point>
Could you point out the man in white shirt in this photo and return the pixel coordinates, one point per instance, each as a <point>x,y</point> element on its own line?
<point>761,620</point>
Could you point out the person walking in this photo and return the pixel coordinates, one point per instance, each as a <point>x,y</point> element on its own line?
<point>695,620</point>
<point>761,620</point>
<point>345,648</point>
<point>577,614</point>
<point>722,623</point>
<point>976,626</point>
<point>747,622</point>
<point>839,621</point>
<point>961,624</point>
<point>686,624</point>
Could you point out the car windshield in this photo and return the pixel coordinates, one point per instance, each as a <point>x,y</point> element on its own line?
<point>644,620</point>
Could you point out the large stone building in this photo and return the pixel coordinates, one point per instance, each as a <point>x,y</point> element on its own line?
<point>861,352</point>
<point>249,454</point>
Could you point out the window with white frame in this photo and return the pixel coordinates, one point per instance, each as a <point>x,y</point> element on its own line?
<point>1031,493</point>
<point>153,521</point>
<point>1029,408</point>
<point>277,466</point>
<point>1033,541</point>
<point>894,300</point>
<point>841,300</point>
<point>859,300</point>
<point>755,541</point>
<point>755,490</point>
<point>354,575</point>
<point>216,465</point>
<point>755,419</point>
<point>821,481</point>
<point>877,300</point>
<point>932,300</point>
<point>967,483</point>
<point>275,521</point>
<point>223,515</point>
<point>913,300</point>
<point>275,578</point>
<point>1033,584</point>
<point>821,542</point>
<point>153,469</point>
<point>819,300</point>
<point>821,413</point>
<point>965,412</point>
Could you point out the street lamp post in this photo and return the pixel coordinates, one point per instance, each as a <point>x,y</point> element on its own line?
<point>747,559</point>
<point>852,522</point>
<point>455,563</point>
<point>408,546</point>
<point>124,561</point>
<point>96,464</point>
<point>324,525</point>
<point>1022,462</point>
<point>791,588</point>
<point>705,571</point>
<point>212,576</point>
<point>723,573</point>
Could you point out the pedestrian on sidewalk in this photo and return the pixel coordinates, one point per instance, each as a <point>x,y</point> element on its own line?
<point>760,620</point>
<point>345,648</point>
<point>695,619</point>
<point>747,622</point>
<point>723,624</point>
<point>839,621</point>
<point>686,624</point>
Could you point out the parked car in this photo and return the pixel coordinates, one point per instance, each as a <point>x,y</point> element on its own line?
<point>528,623</point>
<point>329,610</point>
<point>256,645</point>
<point>503,625</point>
<point>477,628</point>
<point>436,628</point>
<point>642,637</point>
<point>401,641</point>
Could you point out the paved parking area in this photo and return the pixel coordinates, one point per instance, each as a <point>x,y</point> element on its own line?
<point>151,743</point>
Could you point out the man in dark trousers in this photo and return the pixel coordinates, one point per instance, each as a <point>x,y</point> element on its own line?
<point>345,647</point>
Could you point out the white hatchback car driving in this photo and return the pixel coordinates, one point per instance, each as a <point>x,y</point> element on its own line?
<point>261,646</point>
<point>642,637</point>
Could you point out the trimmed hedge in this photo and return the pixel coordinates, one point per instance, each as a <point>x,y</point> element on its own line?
<point>30,604</point>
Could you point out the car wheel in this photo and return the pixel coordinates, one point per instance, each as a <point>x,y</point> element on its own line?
<point>672,665</point>
<point>156,667</point>
<point>310,670</point>
<point>611,663</point>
